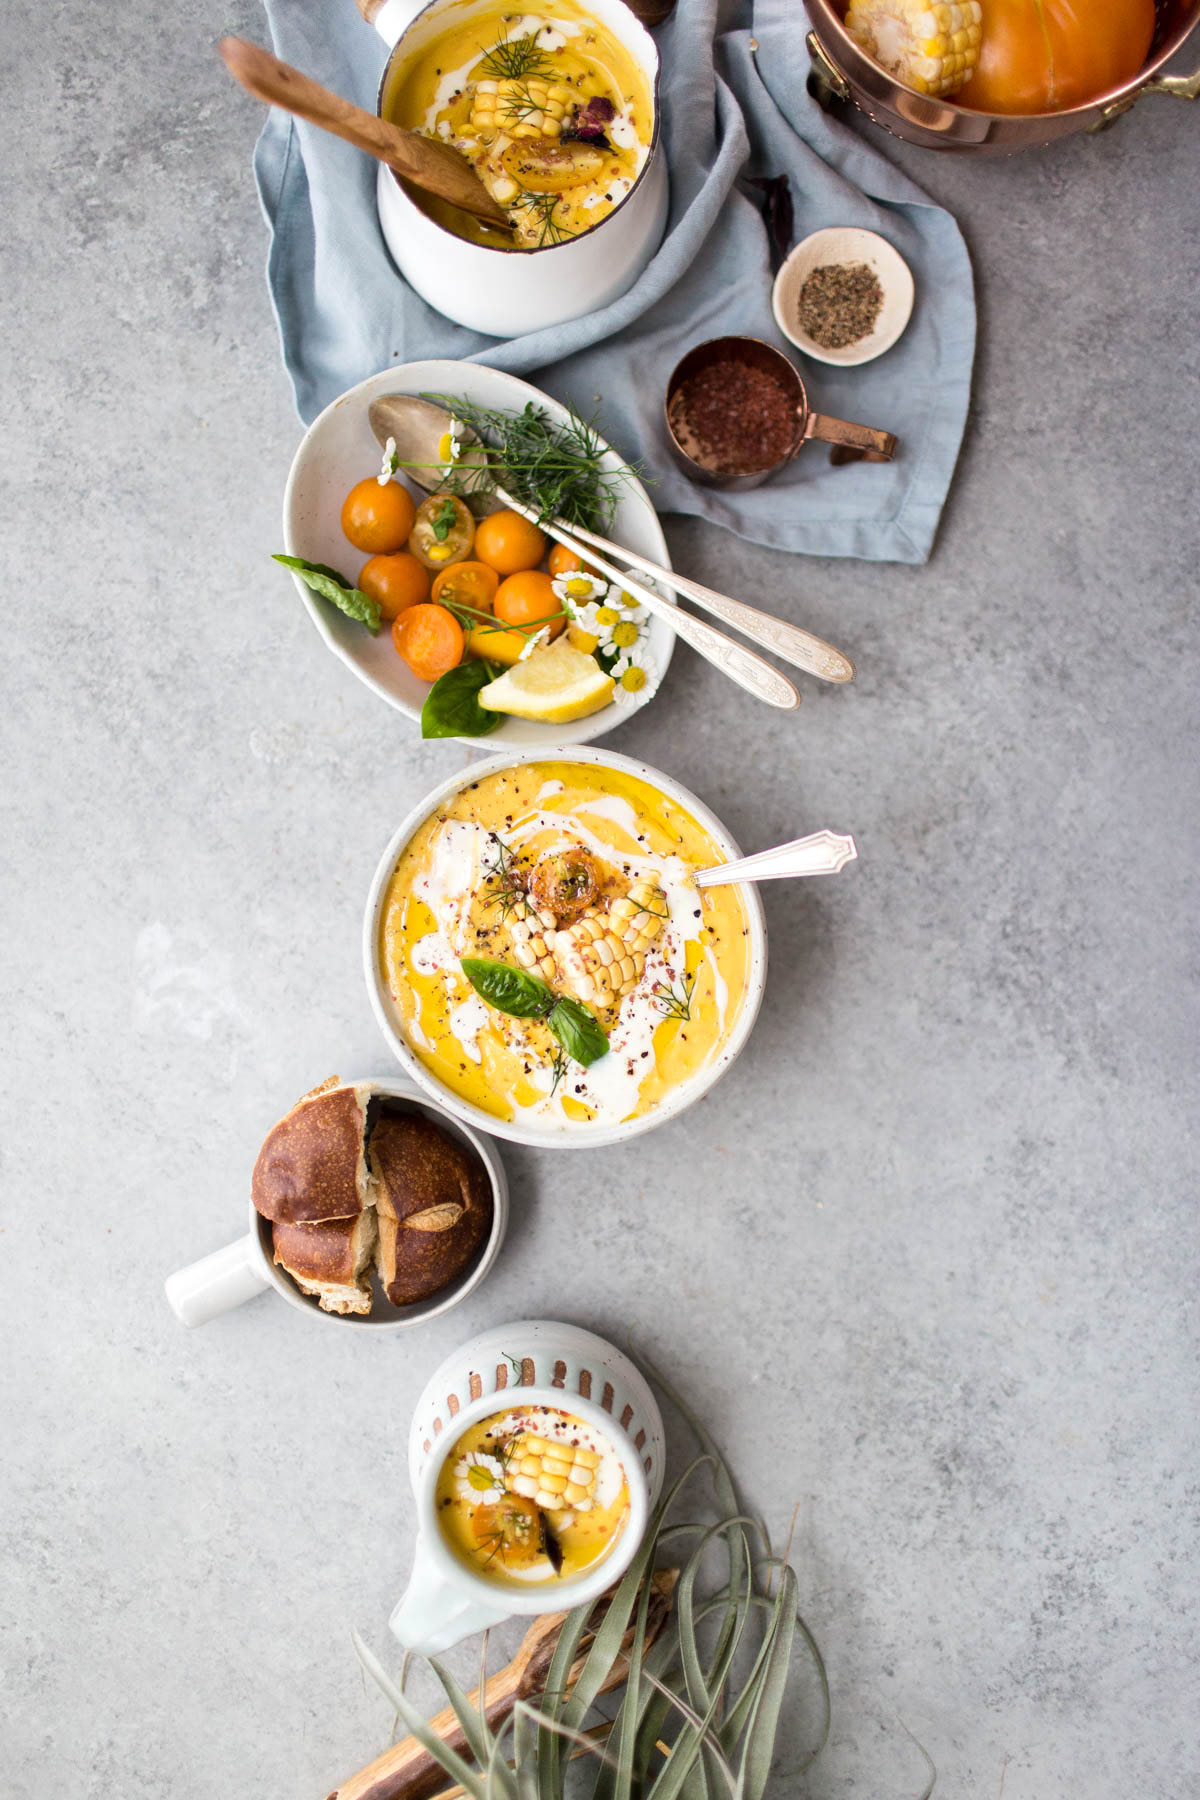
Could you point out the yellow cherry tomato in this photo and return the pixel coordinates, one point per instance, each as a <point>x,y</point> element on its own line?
<point>378,519</point>
<point>395,581</point>
<point>509,543</point>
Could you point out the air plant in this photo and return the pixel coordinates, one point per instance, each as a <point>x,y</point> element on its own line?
<point>700,1706</point>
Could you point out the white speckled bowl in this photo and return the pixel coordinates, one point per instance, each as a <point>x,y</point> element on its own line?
<point>339,448</point>
<point>586,1137</point>
<point>845,244</point>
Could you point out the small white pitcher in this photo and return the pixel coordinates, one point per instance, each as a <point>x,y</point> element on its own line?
<point>530,1363</point>
<point>506,292</point>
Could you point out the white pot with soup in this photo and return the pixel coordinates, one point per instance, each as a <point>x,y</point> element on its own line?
<point>529,1507</point>
<point>558,112</point>
<point>540,957</point>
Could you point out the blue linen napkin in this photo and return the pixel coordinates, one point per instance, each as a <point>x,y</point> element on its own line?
<point>734,104</point>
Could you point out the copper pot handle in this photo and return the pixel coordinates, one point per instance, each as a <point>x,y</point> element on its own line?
<point>1183,87</point>
<point>878,444</point>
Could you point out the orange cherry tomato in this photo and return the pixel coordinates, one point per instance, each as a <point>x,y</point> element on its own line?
<point>429,639</point>
<point>563,561</point>
<point>510,1531</point>
<point>528,598</point>
<point>395,581</point>
<point>469,584</point>
<point>378,519</point>
<point>1045,55</point>
<point>509,543</point>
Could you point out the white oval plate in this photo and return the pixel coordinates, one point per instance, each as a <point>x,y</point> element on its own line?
<point>339,448</point>
<point>845,244</point>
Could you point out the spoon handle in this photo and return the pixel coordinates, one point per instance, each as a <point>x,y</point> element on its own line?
<point>751,672</point>
<point>824,853</point>
<point>432,165</point>
<point>800,648</point>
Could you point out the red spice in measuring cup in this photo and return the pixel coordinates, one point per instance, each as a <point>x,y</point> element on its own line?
<point>734,418</point>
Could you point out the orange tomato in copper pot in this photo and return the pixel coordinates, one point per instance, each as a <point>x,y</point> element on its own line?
<point>1046,55</point>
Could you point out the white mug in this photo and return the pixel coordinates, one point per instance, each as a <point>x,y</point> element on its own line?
<point>242,1270</point>
<point>529,1363</point>
<point>508,292</point>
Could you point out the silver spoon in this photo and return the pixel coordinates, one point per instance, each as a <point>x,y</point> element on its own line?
<point>418,427</point>
<point>824,853</point>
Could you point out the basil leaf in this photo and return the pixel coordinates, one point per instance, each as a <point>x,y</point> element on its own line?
<point>334,587</point>
<point>444,520</point>
<point>578,1031</point>
<point>509,990</point>
<point>452,706</point>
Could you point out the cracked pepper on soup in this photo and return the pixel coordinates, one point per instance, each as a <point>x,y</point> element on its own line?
<point>550,109</point>
<point>532,1494</point>
<point>580,877</point>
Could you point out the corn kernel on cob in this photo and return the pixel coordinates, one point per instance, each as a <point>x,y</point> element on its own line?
<point>557,1477</point>
<point>932,49</point>
<point>602,956</point>
<point>525,108</point>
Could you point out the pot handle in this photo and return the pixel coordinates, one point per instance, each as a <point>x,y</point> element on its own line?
<point>1183,87</point>
<point>391,18</point>
<point>431,1615</point>
<point>217,1283</point>
<point>879,445</point>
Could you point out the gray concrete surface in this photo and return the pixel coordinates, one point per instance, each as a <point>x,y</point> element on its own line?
<point>926,1260</point>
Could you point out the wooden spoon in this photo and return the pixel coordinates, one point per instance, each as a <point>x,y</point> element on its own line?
<point>438,168</point>
<point>407,1771</point>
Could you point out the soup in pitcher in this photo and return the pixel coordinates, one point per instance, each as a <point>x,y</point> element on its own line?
<point>532,1494</point>
<point>548,954</point>
<point>551,110</point>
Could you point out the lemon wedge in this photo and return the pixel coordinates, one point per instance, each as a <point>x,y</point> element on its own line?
<point>556,684</point>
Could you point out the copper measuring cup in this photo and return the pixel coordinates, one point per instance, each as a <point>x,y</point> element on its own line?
<point>697,462</point>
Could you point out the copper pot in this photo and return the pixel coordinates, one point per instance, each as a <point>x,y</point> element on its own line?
<point>842,71</point>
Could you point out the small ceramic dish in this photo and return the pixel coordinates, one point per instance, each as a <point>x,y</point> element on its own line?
<point>242,1270</point>
<point>518,1130</point>
<point>845,244</point>
<point>339,448</point>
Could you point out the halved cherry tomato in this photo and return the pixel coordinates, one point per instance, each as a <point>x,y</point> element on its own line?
<point>395,581</point>
<point>429,639</point>
<point>510,1531</point>
<point>442,531</point>
<point>378,519</point>
<point>529,598</point>
<point>470,584</point>
<point>509,542</point>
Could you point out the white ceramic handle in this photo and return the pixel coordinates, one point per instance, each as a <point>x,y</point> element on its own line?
<point>217,1283</point>
<point>432,1615</point>
<point>751,672</point>
<point>391,18</point>
<point>791,642</point>
<point>824,853</point>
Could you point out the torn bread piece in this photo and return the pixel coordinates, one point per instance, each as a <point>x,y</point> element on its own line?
<point>332,1261</point>
<point>434,1202</point>
<point>313,1166</point>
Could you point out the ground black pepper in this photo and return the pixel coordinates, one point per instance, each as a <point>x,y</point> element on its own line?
<point>734,418</point>
<point>839,304</point>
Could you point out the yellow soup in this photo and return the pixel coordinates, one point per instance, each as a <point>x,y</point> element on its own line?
<point>581,876</point>
<point>551,110</point>
<point>532,1494</point>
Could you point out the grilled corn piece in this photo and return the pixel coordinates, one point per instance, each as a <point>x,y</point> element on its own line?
<point>602,957</point>
<point>556,1477</point>
<point>932,49</point>
<point>525,108</point>
<point>531,934</point>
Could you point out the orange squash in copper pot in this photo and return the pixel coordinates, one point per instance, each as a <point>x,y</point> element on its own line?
<point>1041,56</point>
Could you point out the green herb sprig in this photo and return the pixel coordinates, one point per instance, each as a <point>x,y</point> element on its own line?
<point>511,59</point>
<point>674,1002</point>
<point>334,587</point>
<point>525,996</point>
<point>556,469</point>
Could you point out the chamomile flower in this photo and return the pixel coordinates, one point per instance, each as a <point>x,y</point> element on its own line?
<point>390,463</point>
<point>534,643</point>
<point>596,622</point>
<point>576,589</point>
<point>636,679</point>
<point>479,1478</point>
<point>450,444</point>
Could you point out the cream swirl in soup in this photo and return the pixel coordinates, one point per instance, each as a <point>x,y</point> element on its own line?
<point>581,876</point>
